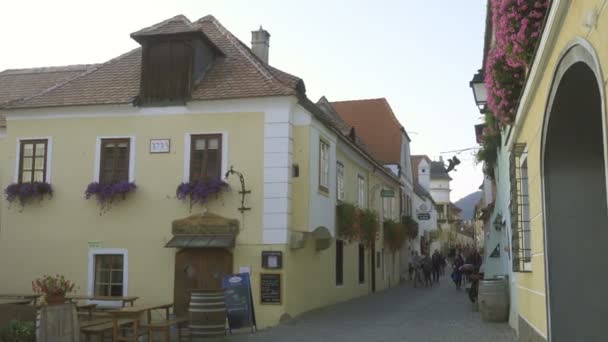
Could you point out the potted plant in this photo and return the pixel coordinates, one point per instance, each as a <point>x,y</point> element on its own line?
<point>394,234</point>
<point>369,224</point>
<point>54,288</point>
<point>18,331</point>
<point>27,192</point>
<point>198,192</point>
<point>346,222</point>
<point>106,194</point>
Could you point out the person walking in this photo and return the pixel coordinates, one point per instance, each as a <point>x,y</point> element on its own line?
<point>456,273</point>
<point>436,260</point>
<point>416,264</point>
<point>427,267</point>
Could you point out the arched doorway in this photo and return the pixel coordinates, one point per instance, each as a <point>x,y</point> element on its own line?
<point>576,218</point>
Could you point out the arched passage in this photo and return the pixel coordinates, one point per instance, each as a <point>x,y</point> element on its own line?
<point>576,219</point>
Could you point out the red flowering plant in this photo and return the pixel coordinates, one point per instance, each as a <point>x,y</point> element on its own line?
<point>53,286</point>
<point>517,28</point>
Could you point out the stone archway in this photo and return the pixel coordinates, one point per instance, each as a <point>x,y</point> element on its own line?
<point>575,201</point>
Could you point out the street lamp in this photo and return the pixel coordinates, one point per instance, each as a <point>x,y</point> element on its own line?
<point>479,90</point>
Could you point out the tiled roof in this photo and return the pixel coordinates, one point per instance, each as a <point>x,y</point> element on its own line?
<point>376,124</point>
<point>236,75</point>
<point>177,24</point>
<point>16,84</point>
<point>438,171</point>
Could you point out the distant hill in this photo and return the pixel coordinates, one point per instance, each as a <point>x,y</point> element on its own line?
<point>467,204</point>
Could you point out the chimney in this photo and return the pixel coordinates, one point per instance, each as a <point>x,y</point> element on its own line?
<point>260,42</point>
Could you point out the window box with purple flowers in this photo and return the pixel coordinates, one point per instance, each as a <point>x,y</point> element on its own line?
<point>198,192</point>
<point>27,192</point>
<point>106,194</point>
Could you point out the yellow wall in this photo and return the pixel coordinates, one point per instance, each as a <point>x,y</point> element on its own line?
<point>531,294</point>
<point>52,236</point>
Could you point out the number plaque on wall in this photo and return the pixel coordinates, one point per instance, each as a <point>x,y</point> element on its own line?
<point>160,145</point>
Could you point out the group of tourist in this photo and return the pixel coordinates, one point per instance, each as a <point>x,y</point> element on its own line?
<point>463,267</point>
<point>425,270</point>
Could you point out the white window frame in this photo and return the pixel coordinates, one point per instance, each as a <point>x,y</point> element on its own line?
<point>361,200</point>
<point>340,181</point>
<point>91,274</point>
<point>49,157</point>
<point>526,224</point>
<point>324,150</point>
<point>132,150</point>
<point>187,150</point>
<point>387,207</point>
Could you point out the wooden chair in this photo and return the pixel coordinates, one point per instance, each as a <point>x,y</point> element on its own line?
<point>99,330</point>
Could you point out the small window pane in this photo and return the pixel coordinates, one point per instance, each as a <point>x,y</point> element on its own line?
<point>199,145</point>
<point>39,163</point>
<point>27,163</point>
<point>213,144</point>
<point>40,149</point>
<point>28,150</point>
<point>38,176</point>
<point>116,290</point>
<point>26,177</point>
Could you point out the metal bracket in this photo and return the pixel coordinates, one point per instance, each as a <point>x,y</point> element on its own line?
<point>243,192</point>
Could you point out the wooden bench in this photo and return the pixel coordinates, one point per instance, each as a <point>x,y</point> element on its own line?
<point>164,328</point>
<point>98,328</point>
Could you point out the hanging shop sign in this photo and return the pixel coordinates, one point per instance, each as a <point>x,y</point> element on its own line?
<point>424,216</point>
<point>387,193</point>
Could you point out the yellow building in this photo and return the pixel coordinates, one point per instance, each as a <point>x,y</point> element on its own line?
<point>557,142</point>
<point>191,107</point>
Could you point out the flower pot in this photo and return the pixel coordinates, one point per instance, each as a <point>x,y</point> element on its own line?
<point>55,299</point>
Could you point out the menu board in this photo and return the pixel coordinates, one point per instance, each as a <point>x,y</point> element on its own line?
<point>270,288</point>
<point>238,299</point>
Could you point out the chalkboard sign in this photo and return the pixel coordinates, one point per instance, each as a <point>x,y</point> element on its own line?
<point>270,288</point>
<point>239,302</point>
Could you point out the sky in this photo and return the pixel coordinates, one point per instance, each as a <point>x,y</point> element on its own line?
<point>419,55</point>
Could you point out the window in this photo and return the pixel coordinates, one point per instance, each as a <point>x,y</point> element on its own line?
<point>33,161</point>
<point>520,210</point>
<point>323,166</point>
<point>205,157</point>
<point>109,270</point>
<point>340,181</point>
<point>339,262</point>
<point>114,163</point>
<point>387,204</point>
<point>361,264</point>
<point>361,200</point>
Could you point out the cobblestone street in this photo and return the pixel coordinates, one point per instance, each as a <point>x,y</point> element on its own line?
<point>440,314</point>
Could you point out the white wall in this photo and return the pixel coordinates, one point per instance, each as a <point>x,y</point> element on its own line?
<point>424,174</point>
<point>440,190</point>
<point>322,205</point>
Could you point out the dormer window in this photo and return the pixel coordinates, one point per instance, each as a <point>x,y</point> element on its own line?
<point>166,72</point>
<point>176,54</point>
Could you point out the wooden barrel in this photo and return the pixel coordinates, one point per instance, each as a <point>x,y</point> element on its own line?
<point>494,300</point>
<point>207,314</point>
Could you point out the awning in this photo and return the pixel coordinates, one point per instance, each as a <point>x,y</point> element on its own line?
<point>203,231</point>
<point>201,241</point>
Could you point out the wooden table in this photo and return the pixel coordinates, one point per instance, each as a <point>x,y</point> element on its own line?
<point>124,300</point>
<point>86,307</point>
<point>31,297</point>
<point>134,313</point>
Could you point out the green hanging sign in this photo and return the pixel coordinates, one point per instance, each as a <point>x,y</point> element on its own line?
<point>387,193</point>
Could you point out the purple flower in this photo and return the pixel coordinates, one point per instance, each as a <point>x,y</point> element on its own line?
<point>199,191</point>
<point>25,192</point>
<point>106,193</point>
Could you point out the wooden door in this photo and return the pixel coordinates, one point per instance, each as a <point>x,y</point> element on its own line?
<point>201,269</point>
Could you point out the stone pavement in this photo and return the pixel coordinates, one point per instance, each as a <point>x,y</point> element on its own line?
<point>403,313</point>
